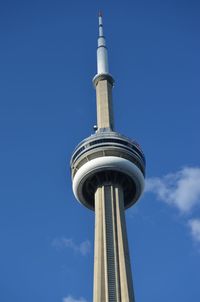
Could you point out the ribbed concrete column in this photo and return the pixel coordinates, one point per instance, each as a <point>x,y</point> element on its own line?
<point>104,104</point>
<point>112,270</point>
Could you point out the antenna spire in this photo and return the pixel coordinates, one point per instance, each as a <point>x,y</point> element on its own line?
<point>100,24</point>
<point>102,56</point>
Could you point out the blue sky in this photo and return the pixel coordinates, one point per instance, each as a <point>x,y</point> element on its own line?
<point>48,59</point>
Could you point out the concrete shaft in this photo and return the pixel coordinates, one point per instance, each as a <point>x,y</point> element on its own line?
<point>104,105</point>
<point>112,269</point>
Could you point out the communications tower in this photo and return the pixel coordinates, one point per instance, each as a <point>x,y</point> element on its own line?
<point>108,171</point>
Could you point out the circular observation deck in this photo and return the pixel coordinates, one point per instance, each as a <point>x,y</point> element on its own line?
<point>107,157</point>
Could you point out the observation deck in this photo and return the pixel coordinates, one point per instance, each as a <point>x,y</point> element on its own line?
<point>104,157</point>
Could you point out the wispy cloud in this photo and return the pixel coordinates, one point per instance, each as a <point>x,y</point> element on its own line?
<point>71,299</point>
<point>194,225</point>
<point>180,189</point>
<point>83,248</point>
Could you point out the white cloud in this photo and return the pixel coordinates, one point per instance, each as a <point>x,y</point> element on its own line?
<point>71,299</point>
<point>83,248</point>
<point>194,225</point>
<point>180,189</point>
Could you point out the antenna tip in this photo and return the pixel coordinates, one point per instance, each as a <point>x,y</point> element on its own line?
<point>100,13</point>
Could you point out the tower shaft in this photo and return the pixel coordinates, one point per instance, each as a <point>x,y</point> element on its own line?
<point>112,269</point>
<point>104,105</point>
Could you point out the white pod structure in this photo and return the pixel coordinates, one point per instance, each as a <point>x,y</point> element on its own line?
<point>105,164</point>
<point>107,156</point>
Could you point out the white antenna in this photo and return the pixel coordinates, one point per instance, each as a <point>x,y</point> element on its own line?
<point>102,56</point>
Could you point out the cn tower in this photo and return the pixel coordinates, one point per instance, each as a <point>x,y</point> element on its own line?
<point>108,171</point>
